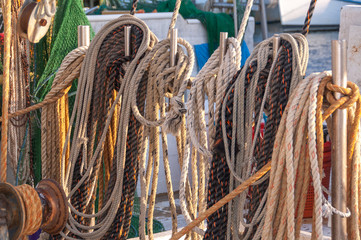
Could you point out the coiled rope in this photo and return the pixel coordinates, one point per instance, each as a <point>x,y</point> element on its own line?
<point>249,95</point>
<point>211,81</point>
<point>33,209</point>
<point>279,91</point>
<point>296,153</point>
<point>54,115</point>
<point>100,74</point>
<point>164,81</point>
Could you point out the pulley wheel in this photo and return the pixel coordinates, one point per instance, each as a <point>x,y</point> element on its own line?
<point>29,26</point>
<point>55,213</point>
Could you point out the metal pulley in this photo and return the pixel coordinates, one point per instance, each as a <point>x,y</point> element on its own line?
<point>54,208</point>
<point>35,19</point>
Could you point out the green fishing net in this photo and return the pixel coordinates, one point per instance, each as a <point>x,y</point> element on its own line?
<point>214,22</point>
<point>47,57</point>
<point>126,5</point>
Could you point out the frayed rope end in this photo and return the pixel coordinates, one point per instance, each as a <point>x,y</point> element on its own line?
<point>173,120</point>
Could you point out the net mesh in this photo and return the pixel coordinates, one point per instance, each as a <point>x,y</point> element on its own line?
<point>48,54</point>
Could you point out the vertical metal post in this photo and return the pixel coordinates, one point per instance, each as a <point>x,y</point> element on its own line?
<point>235,17</point>
<point>263,19</point>
<point>276,45</point>
<point>222,45</point>
<point>173,46</point>
<point>127,31</point>
<point>339,142</point>
<point>83,35</point>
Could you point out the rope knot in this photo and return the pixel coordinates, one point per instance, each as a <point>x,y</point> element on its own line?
<point>350,95</point>
<point>173,119</point>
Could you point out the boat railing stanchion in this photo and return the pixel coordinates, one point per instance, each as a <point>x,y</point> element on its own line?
<point>276,44</point>
<point>83,35</point>
<point>127,31</point>
<point>173,46</point>
<point>339,142</point>
<point>222,45</point>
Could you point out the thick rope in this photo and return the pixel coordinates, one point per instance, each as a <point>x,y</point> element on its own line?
<point>212,82</point>
<point>234,148</point>
<point>55,121</point>
<point>6,9</point>
<point>288,160</point>
<point>82,157</point>
<point>164,81</point>
<point>350,101</point>
<point>19,134</point>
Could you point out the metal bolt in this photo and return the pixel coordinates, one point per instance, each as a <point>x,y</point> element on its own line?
<point>43,22</point>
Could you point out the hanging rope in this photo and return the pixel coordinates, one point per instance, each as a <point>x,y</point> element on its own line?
<point>352,102</point>
<point>212,82</point>
<point>164,81</point>
<point>291,159</point>
<point>54,115</point>
<point>262,85</point>
<point>6,8</point>
<point>102,72</point>
<point>306,26</point>
<point>19,134</point>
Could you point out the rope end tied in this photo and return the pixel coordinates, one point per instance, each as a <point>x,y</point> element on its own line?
<point>173,120</point>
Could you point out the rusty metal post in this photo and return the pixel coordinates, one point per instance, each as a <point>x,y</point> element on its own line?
<point>339,143</point>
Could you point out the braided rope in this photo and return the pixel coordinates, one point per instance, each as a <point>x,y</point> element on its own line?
<point>211,81</point>
<point>6,8</point>
<point>161,79</point>
<point>306,26</point>
<point>80,187</point>
<point>19,135</point>
<point>54,117</point>
<point>236,130</point>
<point>134,7</point>
<point>305,111</point>
<point>33,209</point>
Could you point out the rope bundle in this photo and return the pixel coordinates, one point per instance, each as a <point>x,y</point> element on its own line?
<point>102,74</point>
<point>211,82</point>
<point>235,153</point>
<point>164,81</point>
<point>54,115</point>
<point>351,101</point>
<point>298,153</point>
<point>262,86</point>
<point>19,133</point>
